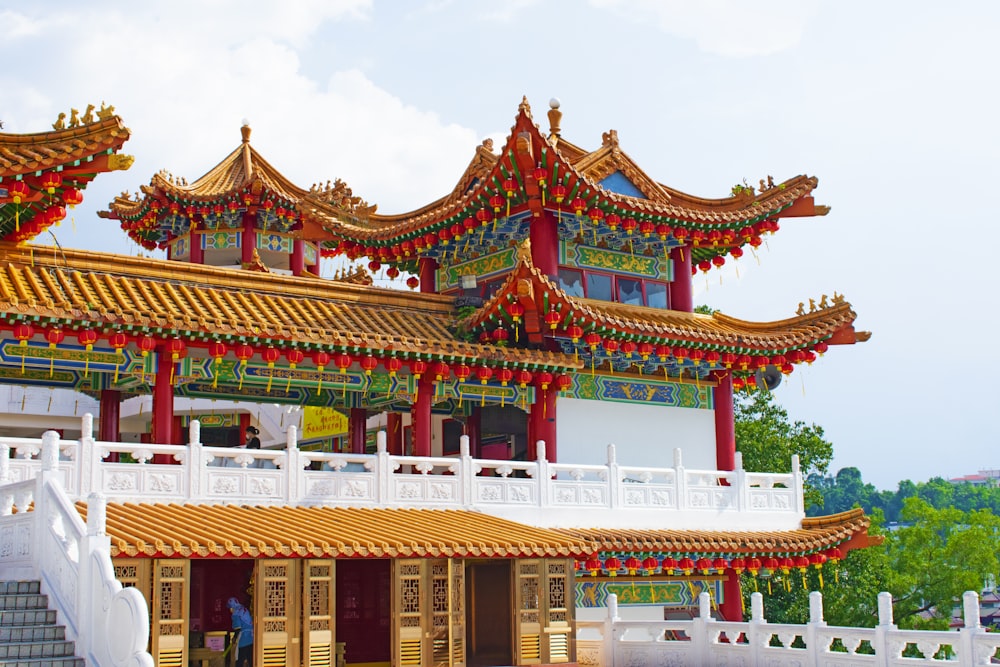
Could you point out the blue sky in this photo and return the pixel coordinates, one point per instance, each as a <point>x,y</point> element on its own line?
<point>893,105</point>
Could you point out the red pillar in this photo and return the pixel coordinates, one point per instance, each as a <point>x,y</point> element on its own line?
<point>297,261</point>
<point>428,273</point>
<point>249,239</point>
<point>314,268</point>
<point>542,424</point>
<point>110,411</point>
<point>197,255</point>
<point>394,433</point>
<point>420,417</point>
<point>357,427</point>
<point>731,607</point>
<point>680,287</point>
<point>544,235</point>
<point>474,429</point>
<point>244,422</point>
<point>725,424</point>
<point>163,399</point>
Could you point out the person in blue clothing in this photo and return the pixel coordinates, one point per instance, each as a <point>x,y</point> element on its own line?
<point>243,622</point>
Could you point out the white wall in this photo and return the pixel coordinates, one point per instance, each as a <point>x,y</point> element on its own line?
<point>642,434</point>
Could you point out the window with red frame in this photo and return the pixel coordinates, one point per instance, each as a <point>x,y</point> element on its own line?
<point>610,287</point>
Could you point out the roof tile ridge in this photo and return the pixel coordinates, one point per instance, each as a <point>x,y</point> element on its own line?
<point>80,131</point>
<point>733,203</point>
<point>825,315</point>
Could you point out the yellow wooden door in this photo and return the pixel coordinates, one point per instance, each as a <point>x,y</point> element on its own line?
<point>169,612</point>
<point>528,620</point>
<point>276,613</point>
<point>409,605</point>
<point>319,602</point>
<point>544,621</point>
<point>558,631</point>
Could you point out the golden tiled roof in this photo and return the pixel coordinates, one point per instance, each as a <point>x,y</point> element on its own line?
<point>198,531</point>
<point>740,336</point>
<point>109,291</point>
<point>816,534</point>
<point>28,153</point>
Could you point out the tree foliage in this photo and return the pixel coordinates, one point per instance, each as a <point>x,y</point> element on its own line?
<point>767,439</point>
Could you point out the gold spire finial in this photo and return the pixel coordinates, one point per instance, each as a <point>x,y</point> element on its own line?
<point>524,106</point>
<point>555,116</point>
<point>245,131</point>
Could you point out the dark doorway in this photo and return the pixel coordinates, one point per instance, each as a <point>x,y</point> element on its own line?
<point>488,613</point>
<point>364,612</point>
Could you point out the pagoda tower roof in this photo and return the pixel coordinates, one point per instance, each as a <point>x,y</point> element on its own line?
<point>46,171</point>
<point>678,342</point>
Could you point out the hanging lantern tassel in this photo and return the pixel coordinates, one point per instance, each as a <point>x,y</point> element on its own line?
<point>769,592</point>
<point>820,573</point>
<point>118,362</point>
<point>24,397</point>
<point>49,409</point>
<point>243,364</point>
<point>270,379</point>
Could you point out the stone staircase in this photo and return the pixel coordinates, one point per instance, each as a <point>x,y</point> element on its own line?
<point>29,636</point>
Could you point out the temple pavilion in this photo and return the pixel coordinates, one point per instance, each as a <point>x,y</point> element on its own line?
<point>543,310</point>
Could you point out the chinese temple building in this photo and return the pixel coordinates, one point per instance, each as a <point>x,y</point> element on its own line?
<point>548,314</point>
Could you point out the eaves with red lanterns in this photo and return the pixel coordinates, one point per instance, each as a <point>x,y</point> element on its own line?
<point>680,345</point>
<point>499,195</point>
<point>110,302</point>
<point>43,174</point>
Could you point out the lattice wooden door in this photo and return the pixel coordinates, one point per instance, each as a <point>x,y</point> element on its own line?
<point>276,615</point>
<point>318,582</point>
<point>169,612</point>
<point>544,604</point>
<point>430,613</point>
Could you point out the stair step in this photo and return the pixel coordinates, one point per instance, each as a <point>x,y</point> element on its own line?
<point>45,662</point>
<point>19,587</point>
<point>24,601</point>
<point>33,650</point>
<point>28,617</point>
<point>32,633</point>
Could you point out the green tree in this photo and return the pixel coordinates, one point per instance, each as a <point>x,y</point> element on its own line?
<point>767,439</point>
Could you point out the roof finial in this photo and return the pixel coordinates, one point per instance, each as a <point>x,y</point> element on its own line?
<point>555,116</point>
<point>245,131</point>
<point>524,106</point>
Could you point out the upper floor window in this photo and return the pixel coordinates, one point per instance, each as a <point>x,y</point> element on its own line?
<point>609,287</point>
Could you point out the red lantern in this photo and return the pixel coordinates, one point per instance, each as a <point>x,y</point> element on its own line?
<point>87,338</point>
<point>146,344</point>
<point>509,185</point>
<point>177,349</point>
<point>632,565</point>
<point>418,368</point>
<point>543,380</point>
<point>374,266</point>
<point>596,215</point>
<point>613,221</point>
<point>368,364</point>
<point>593,565</point>
<point>669,564</point>
<point>392,272</point>
<point>754,566</point>
<point>559,191</point>
<point>646,228</point>
<point>718,261</point>
<point>457,230</point>
<point>72,197</point>
<point>484,373</point>
<point>54,337</point>
<point>523,377</point>
<point>681,234</point>
<point>697,236</point>
<point>802,563</point>
<point>575,332</point>
<point>505,375</point>
<point>552,318</point>
<point>736,252</point>
<point>342,361</point>
<point>217,350</point>
<point>18,191</point>
<point>515,310</point>
<point>578,205</point>
<point>696,356</point>
<point>738,565</point>
<point>540,173</point>
<point>834,555</point>
<point>441,371</point>
<point>662,231</point>
<point>821,348</point>
<point>705,266</point>
<point>686,565</point>
<point>612,565</point>
<point>483,216</point>
<point>593,339</point>
<point>445,235</point>
<point>610,345</point>
<point>704,565</point>
<point>393,365</point>
<point>563,382</point>
<point>629,225</point>
<point>51,180</point>
<point>644,349</point>
<point>412,282</point>
<point>720,565</point>
<point>462,372</point>
<point>23,332</point>
<point>499,335</point>
<point>663,351</point>
<point>497,202</point>
<point>649,564</point>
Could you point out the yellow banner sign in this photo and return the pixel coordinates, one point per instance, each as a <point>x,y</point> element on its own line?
<point>322,423</point>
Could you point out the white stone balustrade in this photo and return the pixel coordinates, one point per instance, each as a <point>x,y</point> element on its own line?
<point>614,642</point>
<point>539,492</point>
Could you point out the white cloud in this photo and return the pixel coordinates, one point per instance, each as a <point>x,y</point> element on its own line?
<point>724,27</point>
<point>17,25</point>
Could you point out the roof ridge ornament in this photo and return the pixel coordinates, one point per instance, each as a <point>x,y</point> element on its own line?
<point>524,106</point>
<point>555,117</point>
<point>245,131</point>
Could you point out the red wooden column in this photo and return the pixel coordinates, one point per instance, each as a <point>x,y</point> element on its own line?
<point>725,423</point>
<point>544,235</point>
<point>110,411</point>
<point>163,398</point>
<point>357,427</point>
<point>249,239</point>
<point>731,608</point>
<point>420,416</point>
<point>197,254</point>
<point>394,433</point>
<point>297,261</point>
<point>680,286</point>
<point>428,273</point>
<point>474,429</point>
<point>542,424</point>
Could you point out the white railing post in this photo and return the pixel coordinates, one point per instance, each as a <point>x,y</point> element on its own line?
<point>544,480</point>
<point>885,625</point>
<point>293,466</point>
<point>467,470</point>
<point>967,643</point>
<point>609,645</point>
<point>49,459</point>
<point>742,488</point>
<point>800,501</point>
<point>614,480</point>
<point>812,629</point>
<point>86,478</point>
<point>679,480</point>
<point>757,635</point>
<point>383,471</point>
<point>94,537</point>
<point>194,461</point>
<point>699,631</point>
